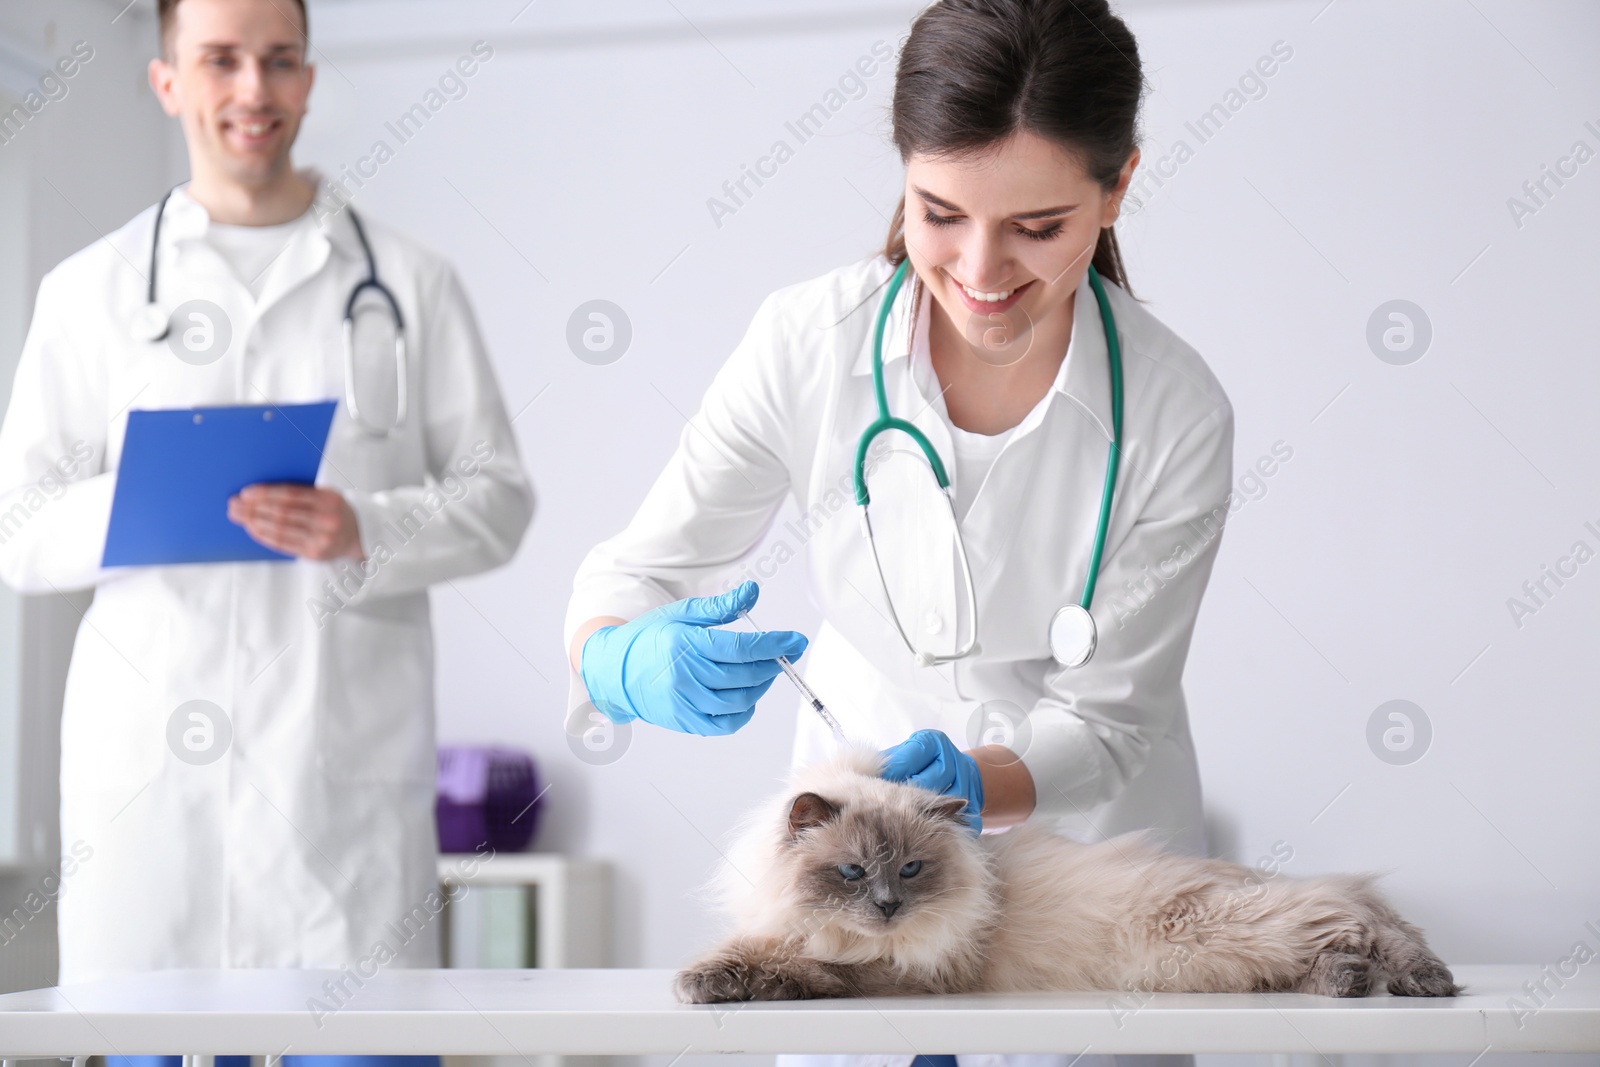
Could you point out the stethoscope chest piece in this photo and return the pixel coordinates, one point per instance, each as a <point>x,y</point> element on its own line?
<point>150,323</point>
<point>1073,636</point>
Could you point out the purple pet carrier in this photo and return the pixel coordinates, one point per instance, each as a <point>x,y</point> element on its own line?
<point>487,796</point>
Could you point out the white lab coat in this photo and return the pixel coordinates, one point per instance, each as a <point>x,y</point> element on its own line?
<point>1107,744</point>
<point>310,841</point>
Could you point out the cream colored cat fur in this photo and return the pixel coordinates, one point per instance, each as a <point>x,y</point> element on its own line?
<point>848,885</point>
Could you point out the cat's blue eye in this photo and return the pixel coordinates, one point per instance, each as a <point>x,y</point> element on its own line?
<point>851,872</point>
<point>910,870</point>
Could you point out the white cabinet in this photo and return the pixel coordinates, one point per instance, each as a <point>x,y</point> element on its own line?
<point>525,910</point>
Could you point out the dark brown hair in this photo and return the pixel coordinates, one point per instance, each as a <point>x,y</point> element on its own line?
<point>167,11</point>
<point>974,72</point>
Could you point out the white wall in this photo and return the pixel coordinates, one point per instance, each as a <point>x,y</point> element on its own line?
<point>1380,564</point>
<point>1374,565</point>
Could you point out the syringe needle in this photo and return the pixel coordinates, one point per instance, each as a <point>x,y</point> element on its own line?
<point>805,690</point>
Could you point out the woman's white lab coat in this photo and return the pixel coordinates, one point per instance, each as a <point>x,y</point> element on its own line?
<point>310,841</point>
<point>1108,744</point>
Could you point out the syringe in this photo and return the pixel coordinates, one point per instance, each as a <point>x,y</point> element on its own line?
<point>805,690</point>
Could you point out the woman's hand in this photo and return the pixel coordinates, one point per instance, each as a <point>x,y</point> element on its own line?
<point>930,760</point>
<point>992,779</point>
<point>669,667</point>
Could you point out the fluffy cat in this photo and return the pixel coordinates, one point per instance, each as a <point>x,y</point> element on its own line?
<point>848,885</point>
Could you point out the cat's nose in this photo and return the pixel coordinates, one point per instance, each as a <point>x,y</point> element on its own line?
<point>888,907</point>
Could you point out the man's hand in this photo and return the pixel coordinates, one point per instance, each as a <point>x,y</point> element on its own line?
<point>298,520</point>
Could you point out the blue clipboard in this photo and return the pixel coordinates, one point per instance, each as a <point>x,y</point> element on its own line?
<point>179,467</point>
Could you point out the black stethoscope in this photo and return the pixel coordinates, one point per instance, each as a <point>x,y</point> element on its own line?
<point>153,322</point>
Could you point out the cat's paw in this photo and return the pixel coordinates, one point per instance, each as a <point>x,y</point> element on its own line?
<point>1338,974</point>
<point>711,982</point>
<point>727,978</point>
<point>1430,978</point>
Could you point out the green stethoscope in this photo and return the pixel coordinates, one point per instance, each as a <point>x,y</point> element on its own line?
<point>1073,634</point>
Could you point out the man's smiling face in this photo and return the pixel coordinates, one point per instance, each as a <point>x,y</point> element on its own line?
<point>234,73</point>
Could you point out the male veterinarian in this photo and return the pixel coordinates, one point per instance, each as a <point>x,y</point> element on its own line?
<point>248,747</point>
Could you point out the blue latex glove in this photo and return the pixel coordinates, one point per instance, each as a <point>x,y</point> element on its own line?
<point>670,668</point>
<point>928,758</point>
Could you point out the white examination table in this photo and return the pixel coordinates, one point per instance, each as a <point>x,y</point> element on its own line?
<point>609,1012</point>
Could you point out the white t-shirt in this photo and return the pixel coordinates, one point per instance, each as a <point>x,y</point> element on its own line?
<point>251,251</point>
<point>975,453</point>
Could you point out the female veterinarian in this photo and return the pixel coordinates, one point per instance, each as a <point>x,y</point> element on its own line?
<point>992,346</point>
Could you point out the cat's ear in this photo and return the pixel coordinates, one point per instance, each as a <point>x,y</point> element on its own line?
<point>809,810</point>
<point>952,808</point>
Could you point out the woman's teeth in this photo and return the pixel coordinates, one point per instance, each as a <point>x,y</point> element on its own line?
<point>992,298</point>
<point>255,129</point>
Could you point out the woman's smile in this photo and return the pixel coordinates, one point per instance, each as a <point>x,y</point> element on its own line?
<point>990,301</point>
